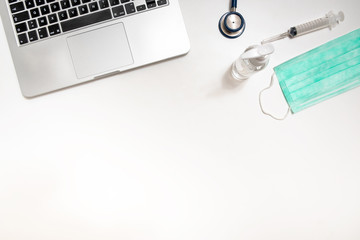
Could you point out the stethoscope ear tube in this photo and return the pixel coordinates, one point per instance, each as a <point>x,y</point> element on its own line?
<point>232,24</point>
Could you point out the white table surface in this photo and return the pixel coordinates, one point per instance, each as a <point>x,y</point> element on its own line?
<point>176,151</point>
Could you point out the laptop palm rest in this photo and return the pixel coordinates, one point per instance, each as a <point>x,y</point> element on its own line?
<point>100,51</point>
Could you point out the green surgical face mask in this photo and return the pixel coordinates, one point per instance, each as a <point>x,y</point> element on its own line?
<point>322,73</point>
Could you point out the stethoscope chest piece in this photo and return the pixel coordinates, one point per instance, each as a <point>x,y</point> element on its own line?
<point>232,24</point>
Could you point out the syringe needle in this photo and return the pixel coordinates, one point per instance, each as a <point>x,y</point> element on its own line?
<point>275,38</point>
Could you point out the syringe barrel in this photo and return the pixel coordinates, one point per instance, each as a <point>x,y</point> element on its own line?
<point>330,21</point>
<point>312,26</point>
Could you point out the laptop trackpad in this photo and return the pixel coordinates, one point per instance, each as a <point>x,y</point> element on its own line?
<point>100,51</point>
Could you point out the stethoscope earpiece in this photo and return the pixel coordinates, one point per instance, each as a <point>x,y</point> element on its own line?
<point>232,24</point>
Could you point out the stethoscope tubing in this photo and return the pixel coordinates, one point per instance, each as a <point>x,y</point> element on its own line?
<point>234,4</point>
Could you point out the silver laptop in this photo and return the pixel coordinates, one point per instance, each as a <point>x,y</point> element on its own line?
<point>60,43</point>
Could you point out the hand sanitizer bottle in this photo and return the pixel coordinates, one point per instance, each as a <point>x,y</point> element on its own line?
<point>254,59</point>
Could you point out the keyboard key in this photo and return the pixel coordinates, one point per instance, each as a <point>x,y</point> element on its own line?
<point>45,10</point>
<point>114,2</point>
<point>151,5</point>
<point>32,24</point>
<point>29,3</point>
<point>75,2</point>
<point>49,13</point>
<point>40,2</point>
<point>86,20</point>
<point>17,7</point>
<point>103,4</point>
<point>42,21</point>
<point>33,36</point>
<point>35,12</point>
<point>83,9</point>
<point>65,4</point>
<point>54,29</point>
<point>55,7</point>
<point>21,27</point>
<point>19,17</point>
<point>93,6</point>
<point>23,38</point>
<point>141,8</point>
<point>52,18</point>
<point>161,2</point>
<point>73,12</point>
<point>42,32</point>
<point>63,15</point>
<point>118,11</point>
<point>130,8</point>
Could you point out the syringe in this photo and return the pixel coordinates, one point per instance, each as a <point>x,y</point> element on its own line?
<point>330,20</point>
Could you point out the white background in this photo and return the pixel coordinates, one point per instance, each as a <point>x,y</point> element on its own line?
<point>176,151</point>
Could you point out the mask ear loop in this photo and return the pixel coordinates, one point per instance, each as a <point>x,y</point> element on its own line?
<point>262,109</point>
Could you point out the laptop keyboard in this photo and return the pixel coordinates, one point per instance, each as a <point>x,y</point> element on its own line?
<point>35,20</point>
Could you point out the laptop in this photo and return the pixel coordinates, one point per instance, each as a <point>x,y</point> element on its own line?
<point>59,43</point>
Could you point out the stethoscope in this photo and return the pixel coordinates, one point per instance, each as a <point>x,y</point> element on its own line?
<point>232,24</point>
